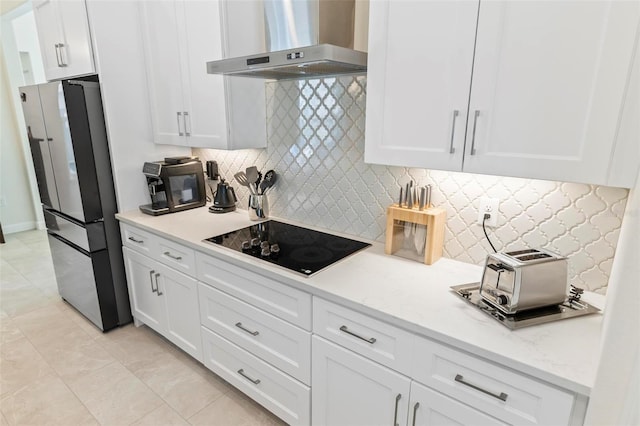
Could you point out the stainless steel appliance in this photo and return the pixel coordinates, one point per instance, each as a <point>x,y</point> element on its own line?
<point>175,184</point>
<point>570,307</point>
<point>70,151</point>
<point>524,279</point>
<point>304,38</point>
<point>292,247</point>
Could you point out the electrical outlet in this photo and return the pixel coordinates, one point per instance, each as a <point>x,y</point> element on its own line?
<point>490,207</point>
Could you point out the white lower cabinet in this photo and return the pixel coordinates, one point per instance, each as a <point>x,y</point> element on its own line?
<point>165,300</point>
<point>428,407</point>
<point>279,393</point>
<point>349,389</point>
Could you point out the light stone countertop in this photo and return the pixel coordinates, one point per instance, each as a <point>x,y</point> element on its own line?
<point>413,296</point>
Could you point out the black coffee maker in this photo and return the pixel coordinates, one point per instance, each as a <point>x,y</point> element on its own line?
<point>175,184</point>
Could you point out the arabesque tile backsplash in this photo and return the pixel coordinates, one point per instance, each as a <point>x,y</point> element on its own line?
<point>316,144</point>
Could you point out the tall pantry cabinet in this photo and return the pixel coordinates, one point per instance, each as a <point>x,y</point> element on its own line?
<point>528,89</point>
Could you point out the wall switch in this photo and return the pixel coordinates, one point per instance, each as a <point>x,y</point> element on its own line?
<point>490,207</point>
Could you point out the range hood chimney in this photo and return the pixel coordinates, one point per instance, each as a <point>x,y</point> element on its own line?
<point>305,39</point>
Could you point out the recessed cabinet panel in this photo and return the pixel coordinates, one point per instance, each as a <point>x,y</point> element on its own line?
<point>420,59</point>
<point>164,75</point>
<point>548,84</point>
<point>147,307</point>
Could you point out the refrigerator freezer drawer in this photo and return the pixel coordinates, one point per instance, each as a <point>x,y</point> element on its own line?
<point>90,237</point>
<point>76,281</point>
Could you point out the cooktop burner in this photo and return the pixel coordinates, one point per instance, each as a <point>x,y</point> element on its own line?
<point>299,249</point>
<point>569,309</point>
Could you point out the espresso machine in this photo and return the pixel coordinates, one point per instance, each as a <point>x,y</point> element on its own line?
<point>175,184</point>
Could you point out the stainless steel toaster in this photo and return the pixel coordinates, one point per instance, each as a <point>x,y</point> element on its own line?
<point>526,279</point>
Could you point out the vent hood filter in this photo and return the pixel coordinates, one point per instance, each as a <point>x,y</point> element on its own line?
<point>305,39</point>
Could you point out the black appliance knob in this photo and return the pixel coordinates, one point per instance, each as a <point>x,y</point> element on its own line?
<point>246,245</point>
<point>265,252</point>
<point>264,245</point>
<point>275,248</point>
<point>255,242</point>
<point>502,300</point>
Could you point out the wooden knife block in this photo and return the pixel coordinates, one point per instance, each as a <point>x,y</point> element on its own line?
<point>433,218</point>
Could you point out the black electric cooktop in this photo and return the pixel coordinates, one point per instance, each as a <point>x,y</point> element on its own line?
<point>299,249</point>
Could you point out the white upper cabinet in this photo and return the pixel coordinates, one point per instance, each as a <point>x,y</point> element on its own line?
<point>65,42</point>
<point>189,106</point>
<point>548,87</point>
<point>418,77</point>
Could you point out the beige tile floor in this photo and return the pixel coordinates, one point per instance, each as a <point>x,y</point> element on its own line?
<point>57,368</point>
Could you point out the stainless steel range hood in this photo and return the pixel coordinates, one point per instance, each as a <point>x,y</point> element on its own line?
<point>305,39</point>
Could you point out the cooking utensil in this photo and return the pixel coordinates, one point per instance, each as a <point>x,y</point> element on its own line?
<point>269,180</point>
<point>423,198</point>
<point>257,184</point>
<point>420,238</point>
<point>241,178</point>
<point>252,174</point>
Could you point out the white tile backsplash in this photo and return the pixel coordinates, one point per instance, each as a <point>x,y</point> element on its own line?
<point>316,144</point>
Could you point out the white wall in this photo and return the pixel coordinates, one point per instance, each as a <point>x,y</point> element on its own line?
<point>26,40</point>
<point>120,63</point>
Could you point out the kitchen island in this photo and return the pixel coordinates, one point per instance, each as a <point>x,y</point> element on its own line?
<point>410,296</point>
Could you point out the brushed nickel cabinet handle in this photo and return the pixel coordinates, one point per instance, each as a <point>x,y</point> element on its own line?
<point>453,131</point>
<point>180,132</point>
<point>57,46</point>
<point>157,286</point>
<point>62,62</point>
<point>415,411</point>
<point>254,381</point>
<point>135,240</point>
<point>473,136</point>
<point>395,412</point>
<point>187,119</point>
<point>168,254</point>
<point>501,396</point>
<point>370,340</point>
<point>243,328</point>
<point>151,272</point>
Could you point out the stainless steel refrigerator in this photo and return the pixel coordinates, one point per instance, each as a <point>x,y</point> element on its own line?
<point>68,140</point>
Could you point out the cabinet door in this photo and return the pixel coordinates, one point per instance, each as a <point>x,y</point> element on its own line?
<point>65,42</point>
<point>162,61</point>
<point>179,294</point>
<point>548,86</point>
<point>428,407</point>
<point>418,77</point>
<point>205,102</point>
<point>142,277</point>
<point>351,390</point>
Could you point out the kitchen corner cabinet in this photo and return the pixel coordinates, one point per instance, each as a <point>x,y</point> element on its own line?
<point>188,106</point>
<point>65,41</point>
<point>165,300</point>
<point>525,89</point>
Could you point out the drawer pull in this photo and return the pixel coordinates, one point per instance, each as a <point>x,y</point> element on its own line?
<point>135,240</point>
<point>415,412</point>
<point>243,328</point>
<point>371,340</point>
<point>502,396</point>
<point>168,254</point>
<point>254,381</point>
<point>395,411</point>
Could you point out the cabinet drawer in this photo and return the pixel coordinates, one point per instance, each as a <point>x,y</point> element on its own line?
<point>175,255</point>
<point>374,339</point>
<point>495,390</point>
<point>272,339</point>
<point>277,299</point>
<point>285,397</point>
<point>137,239</point>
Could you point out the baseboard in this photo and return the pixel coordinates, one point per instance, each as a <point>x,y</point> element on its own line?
<point>19,227</point>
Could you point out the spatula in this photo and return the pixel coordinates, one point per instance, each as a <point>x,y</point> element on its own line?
<point>241,178</point>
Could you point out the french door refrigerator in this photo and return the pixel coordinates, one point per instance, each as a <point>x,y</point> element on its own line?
<point>68,140</point>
